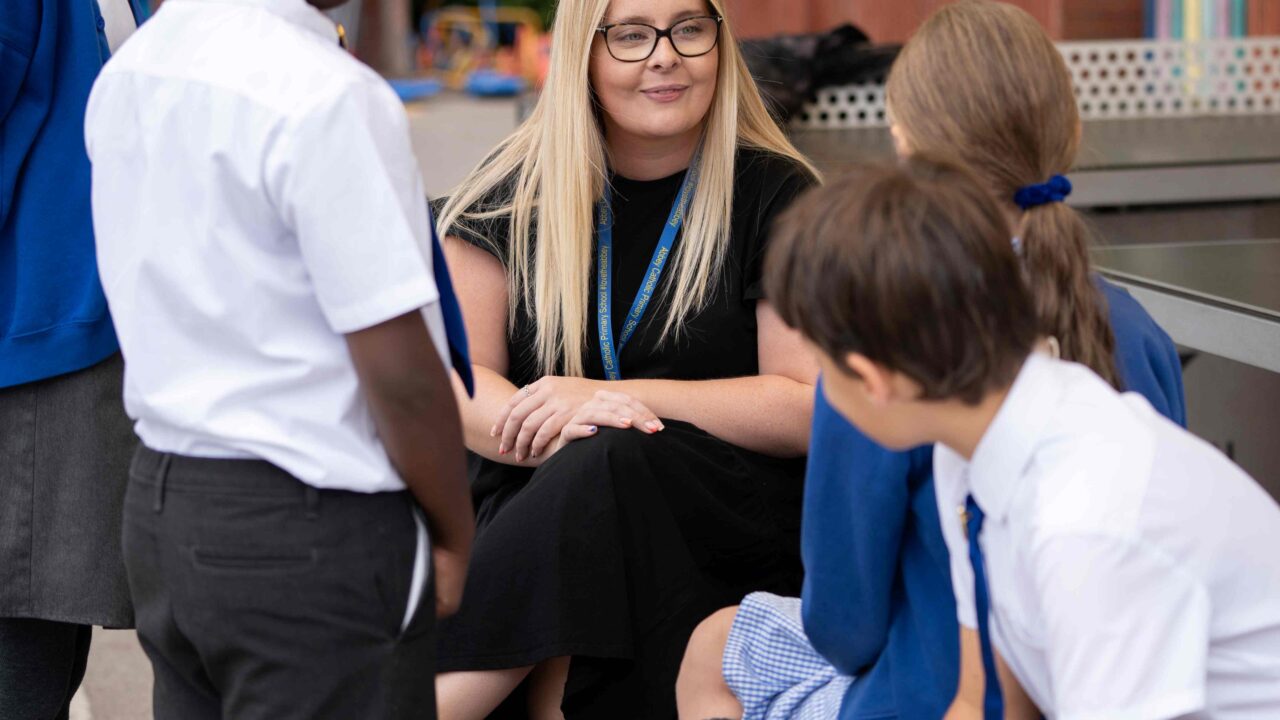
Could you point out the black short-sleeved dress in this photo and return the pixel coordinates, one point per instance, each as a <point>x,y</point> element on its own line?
<point>614,549</point>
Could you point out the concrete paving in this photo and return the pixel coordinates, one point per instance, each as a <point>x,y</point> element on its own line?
<point>451,134</point>
<point>117,685</point>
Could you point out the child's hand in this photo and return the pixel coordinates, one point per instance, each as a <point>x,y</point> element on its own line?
<point>450,570</point>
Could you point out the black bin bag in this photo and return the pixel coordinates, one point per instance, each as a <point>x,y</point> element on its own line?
<point>790,69</point>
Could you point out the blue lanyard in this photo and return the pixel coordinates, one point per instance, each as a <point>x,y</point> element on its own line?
<point>604,269</point>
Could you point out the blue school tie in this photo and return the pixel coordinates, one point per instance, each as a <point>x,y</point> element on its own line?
<point>992,700</point>
<point>454,330</point>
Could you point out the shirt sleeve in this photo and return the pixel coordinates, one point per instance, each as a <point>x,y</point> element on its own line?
<point>344,177</point>
<point>776,198</point>
<point>856,502</point>
<point>1126,629</point>
<point>492,233</point>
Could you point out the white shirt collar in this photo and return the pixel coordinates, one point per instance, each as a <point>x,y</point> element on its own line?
<point>1006,448</point>
<point>298,12</point>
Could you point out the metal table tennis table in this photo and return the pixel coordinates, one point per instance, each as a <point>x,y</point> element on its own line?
<point>1219,297</point>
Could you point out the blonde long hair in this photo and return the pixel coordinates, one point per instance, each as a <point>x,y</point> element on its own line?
<point>983,82</point>
<point>557,161</point>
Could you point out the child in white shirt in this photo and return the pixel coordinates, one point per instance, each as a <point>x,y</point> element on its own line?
<point>1129,568</point>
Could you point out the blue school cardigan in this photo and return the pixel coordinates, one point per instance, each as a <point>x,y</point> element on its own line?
<point>53,316</point>
<point>877,598</point>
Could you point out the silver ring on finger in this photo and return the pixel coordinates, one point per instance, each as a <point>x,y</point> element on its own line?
<point>527,392</point>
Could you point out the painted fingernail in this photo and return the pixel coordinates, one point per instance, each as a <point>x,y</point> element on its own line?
<point>653,425</point>
<point>626,421</point>
<point>592,429</point>
<point>493,431</point>
<point>502,449</point>
<point>519,457</point>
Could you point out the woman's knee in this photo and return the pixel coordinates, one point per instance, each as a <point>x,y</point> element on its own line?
<point>611,447</point>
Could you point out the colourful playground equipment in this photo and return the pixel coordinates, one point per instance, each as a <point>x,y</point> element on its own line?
<point>486,50</point>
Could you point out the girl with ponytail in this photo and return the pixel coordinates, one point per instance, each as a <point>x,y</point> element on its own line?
<point>981,83</point>
<point>1012,118</point>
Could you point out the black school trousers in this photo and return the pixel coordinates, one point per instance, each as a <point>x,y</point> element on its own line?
<point>258,596</point>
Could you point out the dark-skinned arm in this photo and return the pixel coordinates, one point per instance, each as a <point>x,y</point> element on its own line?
<point>412,402</point>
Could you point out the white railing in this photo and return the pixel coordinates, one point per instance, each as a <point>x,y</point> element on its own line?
<point>1116,79</point>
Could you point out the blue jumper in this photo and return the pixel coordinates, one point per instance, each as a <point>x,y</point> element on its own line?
<point>53,316</point>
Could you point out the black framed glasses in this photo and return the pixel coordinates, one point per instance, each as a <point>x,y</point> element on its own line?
<point>635,42</point>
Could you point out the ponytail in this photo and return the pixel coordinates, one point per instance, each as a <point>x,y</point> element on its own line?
<point>1069,306</point>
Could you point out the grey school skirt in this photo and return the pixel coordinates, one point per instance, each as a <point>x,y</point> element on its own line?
<point>65,445</point>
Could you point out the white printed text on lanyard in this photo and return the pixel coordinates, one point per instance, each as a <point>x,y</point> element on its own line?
<point>609,351</point>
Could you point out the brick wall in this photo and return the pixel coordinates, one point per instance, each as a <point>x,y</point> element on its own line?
<point>895,20</point>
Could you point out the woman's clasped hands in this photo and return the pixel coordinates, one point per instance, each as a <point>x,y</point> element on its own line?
<point>542,417</point>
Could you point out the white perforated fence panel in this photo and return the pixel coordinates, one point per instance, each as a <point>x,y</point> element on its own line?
<point>1124,79</point>
<point>844,106</point>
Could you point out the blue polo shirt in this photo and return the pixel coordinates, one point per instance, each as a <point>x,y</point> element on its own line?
<point>877,598</point>
<point>53,317</point>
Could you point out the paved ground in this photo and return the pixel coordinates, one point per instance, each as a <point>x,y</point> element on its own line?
<point>450,135</point>
<point>117,685</point>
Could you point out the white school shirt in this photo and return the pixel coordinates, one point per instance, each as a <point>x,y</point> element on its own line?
<point>255,197</point>
<point>1134,571</point>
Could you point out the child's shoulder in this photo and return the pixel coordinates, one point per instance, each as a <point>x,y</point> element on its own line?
<point>269,61</point>
<point>1129,319</point>
<point>318,69</point>
<point>1092,465</point>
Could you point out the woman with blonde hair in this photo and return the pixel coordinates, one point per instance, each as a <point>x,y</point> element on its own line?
<point>641,414</point>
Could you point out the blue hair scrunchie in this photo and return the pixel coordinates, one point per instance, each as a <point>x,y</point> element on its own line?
<point>1056,190</point>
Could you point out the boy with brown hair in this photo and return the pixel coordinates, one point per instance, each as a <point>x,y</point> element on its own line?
<point>1118,565</point>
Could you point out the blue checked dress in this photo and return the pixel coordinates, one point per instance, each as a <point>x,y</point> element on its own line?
<point>772,668</point>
